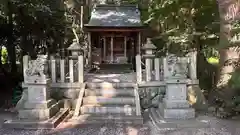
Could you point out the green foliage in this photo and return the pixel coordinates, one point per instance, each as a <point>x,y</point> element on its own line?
<point>213,60</point>
<point>183,24</point>
<point>180,25</point>
<point>4,55</point>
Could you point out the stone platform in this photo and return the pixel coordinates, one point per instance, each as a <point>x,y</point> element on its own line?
<point>37,124</point>
<point>162,123</point>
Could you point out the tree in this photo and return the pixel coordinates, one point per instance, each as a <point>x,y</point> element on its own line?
<point>228,69</point>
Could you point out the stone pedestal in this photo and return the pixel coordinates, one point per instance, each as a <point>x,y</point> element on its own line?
<point>39,106</point>
<point>40,111</point>
<point>175,104</point>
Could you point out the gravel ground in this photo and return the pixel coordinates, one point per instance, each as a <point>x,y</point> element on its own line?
<point>218,127</point>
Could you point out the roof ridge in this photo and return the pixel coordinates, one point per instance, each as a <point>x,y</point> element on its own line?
<point>112,5</point>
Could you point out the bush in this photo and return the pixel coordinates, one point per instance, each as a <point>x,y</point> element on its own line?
<point>4,55</point>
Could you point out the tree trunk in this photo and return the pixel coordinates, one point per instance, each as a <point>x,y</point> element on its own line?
<point>229,54</point>
<point>10,46</point>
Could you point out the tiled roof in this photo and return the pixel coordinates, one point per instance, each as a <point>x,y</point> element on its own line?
<point>115,16</point>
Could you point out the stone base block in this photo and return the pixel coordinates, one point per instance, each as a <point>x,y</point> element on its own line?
<point>178,113</point>
<point>37,124</point>
<point>40,105</point>
<point>71,93</point>
<point>171,104</point>
<point>163,123</point>
<point>68,103</point>
<point>39,114</point>
<point>109,118</point>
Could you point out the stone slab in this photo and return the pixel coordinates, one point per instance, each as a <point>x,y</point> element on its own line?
<point>39,105</point>
<point>39,114</point>
<point>70,93</point>
<point>93,85</point>
<point>66,103</point>
<point>172,104</point>
<point>187,113</point>
<point>32,124</point>
<point>91,109</point>
<point>108,100</point>
<point>38,93</point>
<point>33,80</point>
<point>176,91</point>
<point>162,123</point>
<point>99,119</point>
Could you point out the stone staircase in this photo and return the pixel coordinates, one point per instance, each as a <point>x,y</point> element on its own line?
<point>110,102</point>
<point>115,68</point>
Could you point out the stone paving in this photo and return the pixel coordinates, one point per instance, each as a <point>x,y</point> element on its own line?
<point>98,78</point>
<point>218,127</point>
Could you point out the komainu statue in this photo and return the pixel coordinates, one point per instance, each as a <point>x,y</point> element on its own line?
<point>37,68</point>
<point>177,66</point>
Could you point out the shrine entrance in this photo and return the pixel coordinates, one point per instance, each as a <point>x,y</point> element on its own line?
<point>114,34</point>
<point>113,47</point>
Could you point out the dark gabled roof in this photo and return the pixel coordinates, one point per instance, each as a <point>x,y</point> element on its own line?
<point>115,16</point>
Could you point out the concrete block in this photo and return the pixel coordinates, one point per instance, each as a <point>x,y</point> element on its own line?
<point>39,105</point>
<point>65,103</point>
<point>38,114</point>
<point>173,104</point>
<point>51,123</point>
<point>71,93</point>
<point>109,118</point>
<point>95,100</point>
<point>38,93</point>
<point>127,110</point>
<point>163,123</point>
<point>178,113</point>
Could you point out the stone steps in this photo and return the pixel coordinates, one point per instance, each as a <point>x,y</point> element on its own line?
<point>127,92</point>
<point>109,85</point>
<point>109,102</point>
<point>117,109</point>
<point>106,118</point>
<point>115,67</point>
<point>100,100</point>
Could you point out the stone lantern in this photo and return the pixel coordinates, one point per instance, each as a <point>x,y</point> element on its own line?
<point>75,49</point>
<point>149,47</point>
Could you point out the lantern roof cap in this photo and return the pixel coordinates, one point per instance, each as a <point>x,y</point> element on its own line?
<point>149,45</point>
<point>74,46</point>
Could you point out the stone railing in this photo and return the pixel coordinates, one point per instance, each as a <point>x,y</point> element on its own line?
<point>62,72</point>
<point>157,70</point>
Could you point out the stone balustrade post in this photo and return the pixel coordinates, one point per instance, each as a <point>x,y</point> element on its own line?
<point>193,66</point>
<point>139,68</point>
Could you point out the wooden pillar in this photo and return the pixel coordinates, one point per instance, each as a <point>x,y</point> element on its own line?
<point>89,49</point>
<point>112,49</point>
<point>125,46</point>
<point>139,42</point>
<point>104,47</point>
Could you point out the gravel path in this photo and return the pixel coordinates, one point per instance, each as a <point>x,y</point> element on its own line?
<point>218,127</point>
